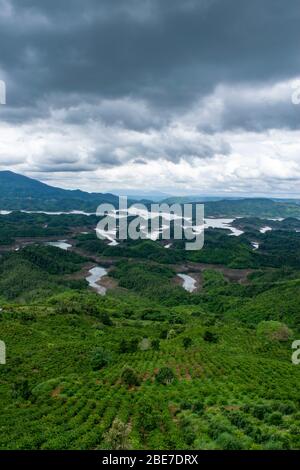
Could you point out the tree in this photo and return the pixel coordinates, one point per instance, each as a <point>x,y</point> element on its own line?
<point>163,334</point>
<point>100,358</point>
<point>129,377</point>
<point>273,331</point>
<point>210,337</point>
<point>155,343</point>
<point>21,389</point>
<point>117,438</point>
<point>165,376</point>
<point>148,416</point>
<point>127,346</point>
<point>187,342</point>
<point>105,319</point>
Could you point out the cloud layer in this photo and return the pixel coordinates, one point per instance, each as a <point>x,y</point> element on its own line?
<point>179,96</point>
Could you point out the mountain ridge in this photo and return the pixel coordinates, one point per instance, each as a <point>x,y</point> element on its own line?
<point>19,192</point>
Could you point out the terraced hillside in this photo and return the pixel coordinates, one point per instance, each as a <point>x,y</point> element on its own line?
<point>150,365</point>
<point>232,391</point>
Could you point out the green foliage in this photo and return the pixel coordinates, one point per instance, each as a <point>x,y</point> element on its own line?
<point>187,342</point>
<point>129,377</point>
<point>19,192</point>
<point>210,336</point>
<point>117,438</point>
<point>21,389</point>
<point>80,371</point>
<point>155,343</point>
<point>165,376</point>
<point>228,442</point>
<point>127,346</point>
<point>273,331</point>
<point>275,418</point>
<point>100,358</point>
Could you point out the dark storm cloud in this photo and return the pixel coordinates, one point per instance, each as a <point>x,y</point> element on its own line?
<point>167,52</point>
<point>170,92</point>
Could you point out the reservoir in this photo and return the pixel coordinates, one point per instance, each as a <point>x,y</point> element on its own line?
<point>189,283</point>
<point>95,274</point>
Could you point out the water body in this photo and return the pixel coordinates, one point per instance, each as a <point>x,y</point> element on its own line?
<point>189,283</point>
<point>95,275</point>
<point>60,244</point>
<point>222,223</point>
<point>208,223</point>
<point>265,229</point>
<point>109,235</point>
<point>3,212</point>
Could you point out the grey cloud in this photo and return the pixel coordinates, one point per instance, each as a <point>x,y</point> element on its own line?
<point>117,81</point>
<point>167,53</point>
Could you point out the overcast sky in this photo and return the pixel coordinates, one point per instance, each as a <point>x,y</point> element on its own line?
<point>174,95</point>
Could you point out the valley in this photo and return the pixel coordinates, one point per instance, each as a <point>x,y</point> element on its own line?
<point>90,328</point>
<point>159,347</point>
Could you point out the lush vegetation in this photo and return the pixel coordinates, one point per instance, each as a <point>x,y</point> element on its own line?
<point>149,365</point>
<point>19,192</point>
<point>37,271</point>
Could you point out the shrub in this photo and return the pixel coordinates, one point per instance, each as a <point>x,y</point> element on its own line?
<point>148,417</point>
<point>287,408</point>
<point>273,331</point>
<point>155,343</point>
<point>187,342</point>
<point>145,344</point>
<point>261,411</point>
<point>128,346</point>
<point>163,334</point>
<point>227,441</point>
<point>117,438</point>
<point>129,377</point>
<point>165,376</point>
<point>210,337</point>
<point>100,358</point>
<point>21,389</point>
<point>275,418</point>
<point>105,319</point>
<point>177,318</point>
<point>198,407</point>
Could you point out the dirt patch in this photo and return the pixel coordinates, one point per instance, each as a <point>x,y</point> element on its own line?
<point>56,392</point>
<point>82,274</point>
<point>195,270</point>
<point>108,282</point>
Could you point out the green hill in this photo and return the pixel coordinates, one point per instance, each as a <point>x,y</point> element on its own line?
<point>20,192</point>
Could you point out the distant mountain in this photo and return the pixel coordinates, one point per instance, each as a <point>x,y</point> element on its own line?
<point>196,198</point>
<point>252,207</point>
<point>18,192</point>
<point>242,207</point>
<point>139,195</point>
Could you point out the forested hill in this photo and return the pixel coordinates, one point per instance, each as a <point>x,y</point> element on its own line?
<point>252,207</point>
<point>20,192</point>
<point>245,207</point>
